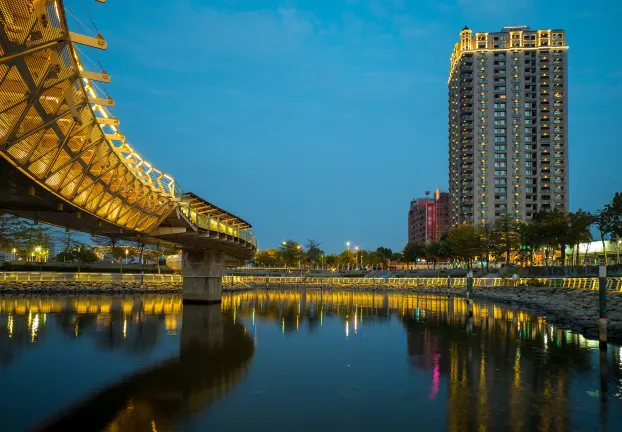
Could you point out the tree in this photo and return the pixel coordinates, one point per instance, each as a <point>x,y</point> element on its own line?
<point>291,253</point>
<point>604,224</point>
<point>313,250</point>
<point>529,235</point>
<point>9,226</point>
<point>579,230</point>
<point>432,253</point>
<point>397,257</point>
<point>32,235</point>
<point>332,260</point>
<point>554,227</point>
<point>81,253</point>
<point>413,251</point>
<point>506,230</point>
<point>384,252</point>
<point>371,258</point>
<point>268,257</point>
<point>466,242</point>
<point>347,258</point>
<point>490,242</point>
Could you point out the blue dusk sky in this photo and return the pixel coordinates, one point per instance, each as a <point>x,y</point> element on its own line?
<point>322,119</point>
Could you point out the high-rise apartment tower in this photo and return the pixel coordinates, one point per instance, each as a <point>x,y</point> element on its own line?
<point>508,124</point>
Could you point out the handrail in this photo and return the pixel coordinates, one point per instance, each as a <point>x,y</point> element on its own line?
<point>613,283</point>
<point>210,223</point>
<point>151,278</point>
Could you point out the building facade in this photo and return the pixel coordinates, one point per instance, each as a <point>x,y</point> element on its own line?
<point>508,124</point>
<point>428,219</point>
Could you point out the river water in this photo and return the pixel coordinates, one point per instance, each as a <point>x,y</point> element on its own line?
<point>293,360</point>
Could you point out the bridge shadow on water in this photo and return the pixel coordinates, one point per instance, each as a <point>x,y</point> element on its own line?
<point>214,355</point>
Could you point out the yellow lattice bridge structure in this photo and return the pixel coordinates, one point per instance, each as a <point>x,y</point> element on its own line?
<point>65,161</point>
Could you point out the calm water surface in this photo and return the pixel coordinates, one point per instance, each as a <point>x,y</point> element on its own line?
<point>292,360</point>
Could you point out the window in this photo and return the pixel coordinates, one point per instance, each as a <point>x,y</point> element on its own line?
<point>500,147</point>
<point>500,105</point>
<point>500,122</point>
<point>500,173</point>
<point>500,190</point>
<point>500,88</point>
<point>500,181</point>
<point>499,164</point>
<point>500,131</point>
<point>500,139</point>
<point>500,155</point>
<point>499,113</point>
<point>501,198</point>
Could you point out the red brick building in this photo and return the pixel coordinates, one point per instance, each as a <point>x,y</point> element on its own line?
<point>428,218</point>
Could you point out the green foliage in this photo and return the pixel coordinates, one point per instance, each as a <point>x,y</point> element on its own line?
<point>506,234</point>
<point>414,251</point>
<point>385,253</point>
<point>291,253</point>
<point>347,257</point>
<point>30,239</point>
<point>80,253</point>
<point>268,257</point>
<point>466,242</point>
<point>313,250</point>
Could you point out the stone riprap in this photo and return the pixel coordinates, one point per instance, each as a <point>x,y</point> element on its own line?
<point>84,287</point>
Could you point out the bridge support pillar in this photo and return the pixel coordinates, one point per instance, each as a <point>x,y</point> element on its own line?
<point>202,272</point>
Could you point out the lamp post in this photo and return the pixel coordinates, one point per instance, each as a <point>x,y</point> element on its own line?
<point>299,257</point>
<point>356,254</point>
<point>126,253</point>
<point>14,254</point>
<point>284,243</point>
<point>348,247</point>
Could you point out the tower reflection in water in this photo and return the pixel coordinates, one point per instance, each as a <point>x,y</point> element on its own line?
<point>504,369</point>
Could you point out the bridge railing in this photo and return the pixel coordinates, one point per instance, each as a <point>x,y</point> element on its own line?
<point>89,277</point>
<point>212,223</point>
<point>614,284</point>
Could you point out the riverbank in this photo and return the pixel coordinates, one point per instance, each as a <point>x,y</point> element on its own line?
<point>86,287</point>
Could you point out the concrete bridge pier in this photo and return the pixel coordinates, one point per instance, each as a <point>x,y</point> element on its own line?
<point>202,272</point>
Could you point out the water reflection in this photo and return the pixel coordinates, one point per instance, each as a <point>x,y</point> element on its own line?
<point>501,369</point>
<point>213,356</point>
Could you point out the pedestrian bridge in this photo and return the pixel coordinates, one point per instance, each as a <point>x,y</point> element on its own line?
<point>65,161</point>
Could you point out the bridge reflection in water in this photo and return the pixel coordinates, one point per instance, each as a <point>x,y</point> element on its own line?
<point>502,369</point>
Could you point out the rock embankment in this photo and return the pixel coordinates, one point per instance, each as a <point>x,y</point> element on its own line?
<point>86,287</point>
<point>572,309</point>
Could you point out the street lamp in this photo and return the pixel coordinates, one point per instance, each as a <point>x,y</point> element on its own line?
<point>299,257</point>
<point>356,251</point>
<point>14,254</point>
<point>126,252</point>
<point>348,245</point>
